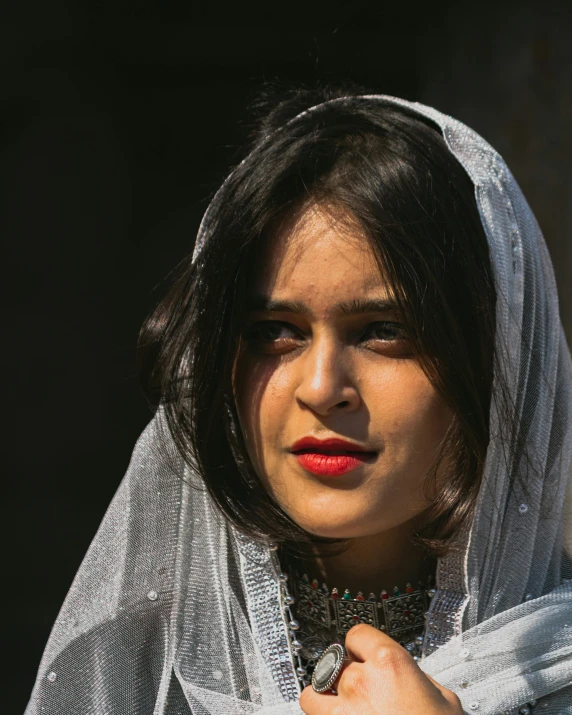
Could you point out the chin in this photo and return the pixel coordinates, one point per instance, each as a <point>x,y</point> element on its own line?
<point>333,528</point>
<point>339,524</point>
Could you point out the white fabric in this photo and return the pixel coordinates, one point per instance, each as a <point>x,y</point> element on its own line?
<point>174,612</point>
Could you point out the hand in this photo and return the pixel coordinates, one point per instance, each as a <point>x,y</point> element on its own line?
<point>380,678</point>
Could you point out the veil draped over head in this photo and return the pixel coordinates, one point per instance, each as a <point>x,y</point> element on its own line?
<point>173,611</point>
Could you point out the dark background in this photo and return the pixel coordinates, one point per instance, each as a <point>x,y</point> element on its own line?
<point>118,121</point>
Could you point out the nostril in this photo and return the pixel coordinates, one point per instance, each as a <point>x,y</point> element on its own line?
<point>344,403</point>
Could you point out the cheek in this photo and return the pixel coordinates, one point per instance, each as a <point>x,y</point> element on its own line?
<point>262,391</point>
<point>403,413</point>
<point>407,411</point>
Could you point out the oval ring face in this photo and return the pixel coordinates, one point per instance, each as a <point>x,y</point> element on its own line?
<point>328,667</point>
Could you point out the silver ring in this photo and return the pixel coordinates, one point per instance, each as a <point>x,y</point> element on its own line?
<point>328,667</point>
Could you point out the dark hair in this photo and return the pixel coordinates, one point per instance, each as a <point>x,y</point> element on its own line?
<point>389,169</point>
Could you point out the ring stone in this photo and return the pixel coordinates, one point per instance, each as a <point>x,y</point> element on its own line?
<point>328,667</point>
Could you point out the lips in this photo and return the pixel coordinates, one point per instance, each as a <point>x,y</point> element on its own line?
<point>330,457</point>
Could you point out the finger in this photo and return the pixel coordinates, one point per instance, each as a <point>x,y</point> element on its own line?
<point>435,683</point>
<point>313,703</point>
<point>352,680</point>
<point>364,642</point>
<point>449,695</point>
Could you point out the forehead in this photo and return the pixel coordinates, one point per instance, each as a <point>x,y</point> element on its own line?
<point>319,252</point>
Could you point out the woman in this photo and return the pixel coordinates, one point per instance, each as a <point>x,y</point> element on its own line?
<point>364,419</point>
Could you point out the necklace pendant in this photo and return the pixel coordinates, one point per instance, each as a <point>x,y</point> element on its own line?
<point>313,647</point>
<point>399,614</point>
<point>405,612</point>
<point>313,604</point>
<point>350,613</point>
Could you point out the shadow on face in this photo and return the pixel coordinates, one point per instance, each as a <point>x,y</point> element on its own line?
<point>339,419</point>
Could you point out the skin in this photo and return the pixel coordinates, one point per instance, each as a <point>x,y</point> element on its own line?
<point>380,677</point>
<point>310,366</point>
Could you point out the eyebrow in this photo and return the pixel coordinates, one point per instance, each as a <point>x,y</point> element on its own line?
<point>346,308</point>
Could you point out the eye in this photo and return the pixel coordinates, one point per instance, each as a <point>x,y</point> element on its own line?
<point>384,330</point>
<point>272,336</point>
<point>388,338</point>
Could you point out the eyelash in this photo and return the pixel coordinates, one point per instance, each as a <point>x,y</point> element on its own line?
<point>275,344</point>
<point>392,325</point>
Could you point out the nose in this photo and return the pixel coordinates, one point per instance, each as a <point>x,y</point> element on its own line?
<point>326,383</point>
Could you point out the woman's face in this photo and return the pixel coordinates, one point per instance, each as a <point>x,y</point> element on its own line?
<point>341,423</point>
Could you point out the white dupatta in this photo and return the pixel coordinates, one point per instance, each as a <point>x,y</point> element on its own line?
<point>173,612</point>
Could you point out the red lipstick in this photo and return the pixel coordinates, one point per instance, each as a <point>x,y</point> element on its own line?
<point>329,457</point>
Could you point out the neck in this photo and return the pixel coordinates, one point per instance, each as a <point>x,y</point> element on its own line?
<point>371,563</point>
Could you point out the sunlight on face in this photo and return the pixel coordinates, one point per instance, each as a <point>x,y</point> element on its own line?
<point>340,421</point>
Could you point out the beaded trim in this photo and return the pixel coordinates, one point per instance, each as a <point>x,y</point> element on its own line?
<point>293,626</point>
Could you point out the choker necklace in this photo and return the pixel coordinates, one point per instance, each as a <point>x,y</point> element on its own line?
<point>397,614</point>
<point>319,615</point>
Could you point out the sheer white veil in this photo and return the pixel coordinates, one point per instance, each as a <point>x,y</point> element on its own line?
<point>174,612</point>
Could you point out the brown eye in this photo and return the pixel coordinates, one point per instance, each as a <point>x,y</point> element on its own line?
<point>269,331</point>
<point>384,330</point>
<point>272,336</point>
<point>387,338</point>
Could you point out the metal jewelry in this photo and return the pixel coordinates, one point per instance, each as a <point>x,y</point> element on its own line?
<point>310,654</point>
<point>328,667</point>
<point>398,613</point>
<point>312,635</point>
